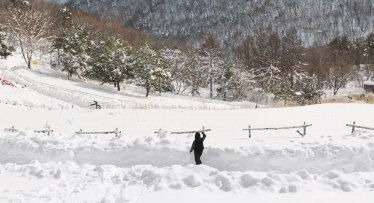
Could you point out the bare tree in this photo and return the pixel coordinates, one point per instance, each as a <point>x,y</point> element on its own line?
<point>341,70</point>
<point>30,26</point>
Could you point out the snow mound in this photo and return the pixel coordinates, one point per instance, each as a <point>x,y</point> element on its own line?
<point>69,182</point>
<point>123,151</point>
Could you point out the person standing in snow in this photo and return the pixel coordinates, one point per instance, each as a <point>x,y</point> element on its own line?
<point>198,147</point>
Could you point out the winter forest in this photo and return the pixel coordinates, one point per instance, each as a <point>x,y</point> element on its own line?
<point>289,49</point>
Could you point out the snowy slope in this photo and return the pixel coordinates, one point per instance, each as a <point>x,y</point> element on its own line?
<point>329,164</point>
<point>80,93</point>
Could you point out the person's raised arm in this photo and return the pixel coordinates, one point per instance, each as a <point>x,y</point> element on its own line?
<point>204,136</point>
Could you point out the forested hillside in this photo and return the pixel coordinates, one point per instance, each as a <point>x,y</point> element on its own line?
<point>239,48</point>
<point>317,21</point>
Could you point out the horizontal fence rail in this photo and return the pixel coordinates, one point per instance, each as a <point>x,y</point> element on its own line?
<point>106,132</point>
<point>280,128</point>
<point>48,130</point>
<point>357,126</point>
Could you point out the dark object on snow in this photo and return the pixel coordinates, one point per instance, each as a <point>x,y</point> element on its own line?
<point>369,86</point>
<point>96,105</point>
<point>198,147</point>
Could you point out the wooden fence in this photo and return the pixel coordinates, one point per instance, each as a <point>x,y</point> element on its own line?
<point>108,132</point>
<point>357,126</point>
<point>280,128</point>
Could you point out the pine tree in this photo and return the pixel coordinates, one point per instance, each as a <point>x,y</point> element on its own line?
<point>151,69</point>
<point>224,79</point>
<point>211,61</point>
<point>194,74</point>
<point>369,48</point>
<point>65,21</point>
<point>309,93</point>
<point>112,62</point>
<point>5,49</point>
<point>76,45</point>
<point>241,83</point>
<point>178,66</point>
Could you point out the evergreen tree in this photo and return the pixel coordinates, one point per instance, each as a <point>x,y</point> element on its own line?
<point>194,73</point>
<point>65,21</point>
<point>309,93</point>
<point>211,61</point>
<point>224,79</point>
<point>76,45</point>
<point>5,49</point>
<point>112,62</point>
<point>178,65</point>
<point>241,83</point>
<point>369,48</point>
<point>151,69</point>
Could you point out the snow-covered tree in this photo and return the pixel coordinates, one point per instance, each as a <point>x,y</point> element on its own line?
<point>112,62</point>
<point>194,73</point>
<point>76,46</point>
<point>177,61</point>
<point>241,83</point>
<point>340,63</point>
<point>64,20</point>
<point>211,61</point>
<point>291,58</point>
<point>5,49</point>
<point>309,94</point>
<point>30,26</point>
<point>224,79</point>
<point>151,69</point>
<point>267,78</point>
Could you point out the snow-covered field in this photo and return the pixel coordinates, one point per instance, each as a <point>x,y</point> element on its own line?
<point>329,164</point>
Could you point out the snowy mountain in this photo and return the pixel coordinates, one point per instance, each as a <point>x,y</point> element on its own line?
<point>317,21</point>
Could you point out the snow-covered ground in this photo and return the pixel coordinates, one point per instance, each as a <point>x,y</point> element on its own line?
<point>143,164</point>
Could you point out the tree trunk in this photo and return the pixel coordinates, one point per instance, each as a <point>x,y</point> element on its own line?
<point>118,87</point>
<point>147,92</point>
<point>58,57</point>
<point>68,75</point>
<point>29,64</point>
<point>115,83</point>
<point>159,85</point>
<point>211,87</point>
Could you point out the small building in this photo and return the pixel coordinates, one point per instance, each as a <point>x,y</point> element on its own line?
<point>369,86</point>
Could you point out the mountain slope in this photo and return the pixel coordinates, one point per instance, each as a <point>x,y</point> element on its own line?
<point>318,21</point>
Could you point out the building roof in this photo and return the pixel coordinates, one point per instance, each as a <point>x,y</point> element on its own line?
<point>368,83</point>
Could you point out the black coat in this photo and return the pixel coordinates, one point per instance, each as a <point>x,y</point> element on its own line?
<point>198,145</point>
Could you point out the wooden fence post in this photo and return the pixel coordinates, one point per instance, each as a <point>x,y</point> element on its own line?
<point>249,130</point>
<point>304,128</point>
<point>353,126</point>
<point>116,132</point>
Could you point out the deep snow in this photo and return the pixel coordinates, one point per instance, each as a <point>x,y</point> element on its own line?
<point>329,164</point>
